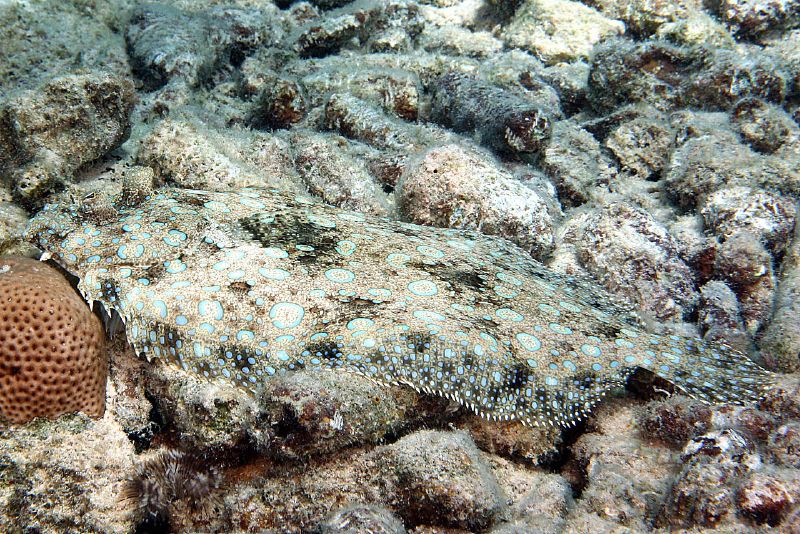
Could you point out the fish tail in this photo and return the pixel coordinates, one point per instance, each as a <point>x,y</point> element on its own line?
<point>711,372</point>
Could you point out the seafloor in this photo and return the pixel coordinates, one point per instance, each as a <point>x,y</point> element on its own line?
<point>652,146</point>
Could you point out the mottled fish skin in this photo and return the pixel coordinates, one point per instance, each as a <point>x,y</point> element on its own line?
<point>247,285</point>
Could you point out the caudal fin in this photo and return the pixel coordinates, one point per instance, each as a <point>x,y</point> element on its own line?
<point>713,373</point>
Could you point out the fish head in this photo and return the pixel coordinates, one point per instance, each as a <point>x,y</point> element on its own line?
<point>69,228</point>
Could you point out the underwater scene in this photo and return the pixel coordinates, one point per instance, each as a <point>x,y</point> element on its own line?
<point>403,266</point>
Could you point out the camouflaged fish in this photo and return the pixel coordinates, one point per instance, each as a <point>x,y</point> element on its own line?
<point>247,285</point>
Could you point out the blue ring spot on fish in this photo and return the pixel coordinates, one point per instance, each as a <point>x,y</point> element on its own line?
<point>286,314</point>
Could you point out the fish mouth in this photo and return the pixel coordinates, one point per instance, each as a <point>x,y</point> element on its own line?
<point>48,224</point>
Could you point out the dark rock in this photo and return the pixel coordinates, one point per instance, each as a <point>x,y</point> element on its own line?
<point>766,127</point>
<point>675,421</point>
<point>668,76</point>
<point>768,217</point>
<point>642,144</point>
<point>752,18</point>
<point>440,478</point>
<point>279,106</point>
<point>704,493</point>
<point>766,499</point>
<point>499,118</point>
<point>784,445</point>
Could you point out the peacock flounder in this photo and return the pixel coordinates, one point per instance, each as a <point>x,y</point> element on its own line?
<point>247,285</point>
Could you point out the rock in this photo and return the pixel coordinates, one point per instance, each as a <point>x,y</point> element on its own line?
<point>696,124</point>
<point>705,491</point>
<point>704,164</point>
<point>624,481</point>
<point>40,41</point>
<point>766,127</point>
<point>46,134</point>
<point>624,72</point>
<point>783,400</point>
<point>336,29</point>
<point>699,28</point>
<point>642,144</point>
<point>571,82</point>
<point>675,421</point>
<point>768,217</point>
<point>321,413</point>
<point>576,164</point>
<point>719,316</point>
<point>295,416</point>
<point>280,105</point>
<point>668,76</point>
<point>513,440</point>
<point>784,445</point>
<point>457,41</point>
<point>645,17</point>
<point>358,120</point>
<point>699,248</point>
<point>766,499</point>
<point>744,262</point>
<point>167,44</point>
<point>131,408</point>
<point>498,118</point>
<point>396,91</point>
<point>209,417</point>
<point>440,478</point>
<point>188,153</point>
<point>361,518</point>
<point>558,30</point>
<point>720,78</point>
<point>13,221</point>
<point>520,76</point>
<point>780,343</point>
<point>456,188</point>
<point>752,18</point>
<point>65,474</point>
<point>634,256</point>
<point>543,507</point>
<point>784,47</point>
<point>338,178</point>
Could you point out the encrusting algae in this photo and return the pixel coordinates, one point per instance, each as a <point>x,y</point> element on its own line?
<point>243,286</point>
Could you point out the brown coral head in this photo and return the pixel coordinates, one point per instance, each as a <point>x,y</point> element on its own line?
<point>52,347</point>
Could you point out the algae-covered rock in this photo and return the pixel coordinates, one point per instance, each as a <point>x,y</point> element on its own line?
<point>47,133</point>
<point>50,38</point>
<point>780,343</point>
<point>189,153</point>
<point>337,177</point>
<point>456,188</point>
<point>13,221</point>
<point>576,163</point>
<point>558,30</point>
<point>637,257</point>
<point>440,477</point>
<point>65,475</point>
